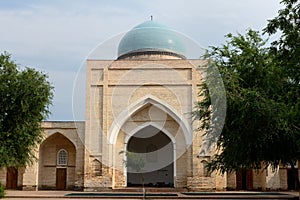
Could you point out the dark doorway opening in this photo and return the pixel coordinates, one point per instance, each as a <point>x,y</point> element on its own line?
<point>292,177</point>
<point>244,180</point>
<point>152,143</point>
<point>12,178</point>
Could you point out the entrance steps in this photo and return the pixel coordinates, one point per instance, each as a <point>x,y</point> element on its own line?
<point>150,189</point>
<point>30,195</point>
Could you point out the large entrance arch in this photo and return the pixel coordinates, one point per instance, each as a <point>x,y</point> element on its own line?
<point>132,123</point>
<point>156,150</point>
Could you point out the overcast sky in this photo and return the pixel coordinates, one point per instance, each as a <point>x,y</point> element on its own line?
<point>56,36</point>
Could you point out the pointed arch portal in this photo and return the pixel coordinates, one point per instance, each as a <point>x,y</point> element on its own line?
<point>156,121</point>
<point>157,152</point>
<point>57,158</point>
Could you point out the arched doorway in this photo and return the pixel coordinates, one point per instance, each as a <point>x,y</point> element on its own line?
<point>156,150</point>
<point>57,162</point>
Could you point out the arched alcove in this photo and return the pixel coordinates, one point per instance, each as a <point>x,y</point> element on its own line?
<point>57,160</point>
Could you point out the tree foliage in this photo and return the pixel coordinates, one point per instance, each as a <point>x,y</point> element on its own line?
<point>211,110</point>
<point>256,130</point>
<point>262,125</point>
<point>25,96</point>
<point>2,191</point>
<point>287,52</point>
<point>134,162</point>
<point>287,47</point>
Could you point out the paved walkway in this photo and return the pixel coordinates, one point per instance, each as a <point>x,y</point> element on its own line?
<point>58,195</point>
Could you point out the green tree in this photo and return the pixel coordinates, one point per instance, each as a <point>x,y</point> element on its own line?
<point>133,161</point>
<point>287,52</point>
<point>287,47</point>
<point>262,125</point>
<point>25,96</point>
<point>256,131</point>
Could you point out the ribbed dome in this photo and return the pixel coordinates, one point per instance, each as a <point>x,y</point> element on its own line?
<point>151,38</point>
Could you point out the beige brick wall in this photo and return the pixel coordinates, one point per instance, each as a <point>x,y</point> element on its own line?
<point>283,178</point>
<point>259,179</point>
<point>3,176</point>
<point>30,177</point>
<point>231,181</point>
<point>125,82</point>
<point>61,135</point>
<point>272,179</point>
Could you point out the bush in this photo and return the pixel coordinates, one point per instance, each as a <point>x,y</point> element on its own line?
<point>2,192</point>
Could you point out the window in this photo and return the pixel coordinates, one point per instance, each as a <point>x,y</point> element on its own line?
<point>62,157</point>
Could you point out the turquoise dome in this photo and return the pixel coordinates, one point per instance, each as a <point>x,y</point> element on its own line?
<point>151,37</point>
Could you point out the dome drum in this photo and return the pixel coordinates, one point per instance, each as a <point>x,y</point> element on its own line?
<point>150,53</point>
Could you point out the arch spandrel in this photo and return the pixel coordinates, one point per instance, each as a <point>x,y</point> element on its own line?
<point>149,100</point>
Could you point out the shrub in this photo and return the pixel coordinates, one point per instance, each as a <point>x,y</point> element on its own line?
<point>2,192</point>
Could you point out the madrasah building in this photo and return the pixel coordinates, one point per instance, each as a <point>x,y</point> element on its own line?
<point>140,102</point>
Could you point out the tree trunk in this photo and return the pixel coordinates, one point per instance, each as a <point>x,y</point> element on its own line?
<point>143,185</point>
